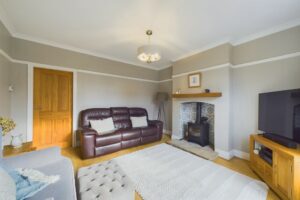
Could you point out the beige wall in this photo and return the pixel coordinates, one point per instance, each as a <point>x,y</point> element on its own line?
<point>4,83</point>
<point>5,39</point>
<point>44,54</point>
<point>5,99</point>
<point>277,44</point>
<point>248,82</point>
<point>13,104</point>
<point>19,80</point>
<point>165,74</point>
<point>167,87</point>
<point>39,53</point>
<point>94,91</point>
<point>215,56</point>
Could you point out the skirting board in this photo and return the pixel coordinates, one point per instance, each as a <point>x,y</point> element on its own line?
<point>233,153</point>
<point>225,154</point>
<point>241,154</point>
<point>176,137</point>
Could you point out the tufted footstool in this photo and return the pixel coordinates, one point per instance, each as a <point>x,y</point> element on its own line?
<point>105,181</point>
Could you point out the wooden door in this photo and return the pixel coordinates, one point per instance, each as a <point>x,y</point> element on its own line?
<point>283,173</point>
<point>52,108</point>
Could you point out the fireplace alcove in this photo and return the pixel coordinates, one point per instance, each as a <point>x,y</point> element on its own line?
<point>197,122</point>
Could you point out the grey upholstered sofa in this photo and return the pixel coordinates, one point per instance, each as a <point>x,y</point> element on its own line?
<point>50,162</point>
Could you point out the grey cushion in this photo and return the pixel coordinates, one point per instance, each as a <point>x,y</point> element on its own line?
<point>105,180</point>
<point>64,187</point>
<point>7,186</point>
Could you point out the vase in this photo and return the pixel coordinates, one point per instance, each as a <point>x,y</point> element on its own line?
<point>16,141</point>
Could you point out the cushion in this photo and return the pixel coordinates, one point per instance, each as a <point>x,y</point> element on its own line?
<point>139,121</point>
<point>7,186</point>
<point>103,126</point>
<point>29,182</point>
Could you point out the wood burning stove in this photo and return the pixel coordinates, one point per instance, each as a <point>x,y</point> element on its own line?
<point>198,132</point>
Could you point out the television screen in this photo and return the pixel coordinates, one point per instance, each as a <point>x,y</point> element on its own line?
<point>279,113</point>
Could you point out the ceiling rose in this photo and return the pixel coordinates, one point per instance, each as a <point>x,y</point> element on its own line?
<point>148,53</point>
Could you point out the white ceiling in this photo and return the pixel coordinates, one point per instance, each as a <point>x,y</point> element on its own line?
<point>115,28</point>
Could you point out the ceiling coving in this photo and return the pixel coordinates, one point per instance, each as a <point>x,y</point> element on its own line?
<point>149,53</point>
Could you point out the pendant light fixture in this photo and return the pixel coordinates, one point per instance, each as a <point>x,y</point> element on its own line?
<point>148,53</point>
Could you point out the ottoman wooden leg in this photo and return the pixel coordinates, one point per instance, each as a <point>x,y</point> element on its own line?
<point>138,196</point>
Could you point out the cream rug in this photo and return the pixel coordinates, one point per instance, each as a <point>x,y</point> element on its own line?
<point>204,152</point>
<point>163,172</point>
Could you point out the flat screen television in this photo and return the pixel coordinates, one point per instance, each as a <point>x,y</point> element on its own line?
<point>279,114</point>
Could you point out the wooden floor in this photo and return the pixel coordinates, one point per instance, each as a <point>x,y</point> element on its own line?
<point>236,164</point>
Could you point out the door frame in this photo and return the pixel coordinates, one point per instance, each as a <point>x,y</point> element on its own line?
<point>30,97</point>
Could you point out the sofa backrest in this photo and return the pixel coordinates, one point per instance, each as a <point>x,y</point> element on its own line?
<point>121,115</point>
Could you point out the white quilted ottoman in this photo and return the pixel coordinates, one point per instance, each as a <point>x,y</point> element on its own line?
<point>104,181</point>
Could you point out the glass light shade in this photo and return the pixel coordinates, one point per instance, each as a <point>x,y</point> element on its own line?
<point>148,53</point>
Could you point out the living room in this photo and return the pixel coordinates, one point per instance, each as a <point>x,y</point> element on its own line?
<point>137,86</point>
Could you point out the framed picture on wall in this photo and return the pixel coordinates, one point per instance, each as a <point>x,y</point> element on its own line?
<point>194,80</point>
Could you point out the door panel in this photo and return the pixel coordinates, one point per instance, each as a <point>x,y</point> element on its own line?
<point>284,173</point>
<point>52,108</point>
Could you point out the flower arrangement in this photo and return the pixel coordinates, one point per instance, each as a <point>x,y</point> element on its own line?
<point>7,125</point>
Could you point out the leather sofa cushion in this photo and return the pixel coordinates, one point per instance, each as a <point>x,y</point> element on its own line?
<point>148,131</point>
<point>120,111</point>
<point>107,149</point>
<point>93,114</point>
<point>128,134</point>
<point>149,139</point>
<point>121,117</point>
<point>122,124</point>
<point>130,143</point>
<point>138,112</point>
<point>107,139</point>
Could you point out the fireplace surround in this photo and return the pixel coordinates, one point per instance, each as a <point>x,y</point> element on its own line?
<point>197,118</point>
<point>221,138</point>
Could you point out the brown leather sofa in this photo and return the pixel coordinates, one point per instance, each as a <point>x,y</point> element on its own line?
<point>125,136</point>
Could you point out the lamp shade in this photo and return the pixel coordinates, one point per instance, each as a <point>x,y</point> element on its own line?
<point>149,53</point>
<point>162,97</point>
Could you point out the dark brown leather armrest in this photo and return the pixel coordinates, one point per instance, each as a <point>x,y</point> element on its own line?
<point>87,131</point>
<point>87,142</point>
<point>155,122</point>
<point>159,125</point>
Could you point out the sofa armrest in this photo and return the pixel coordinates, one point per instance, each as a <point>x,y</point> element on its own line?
<point>87,131</point>
<point>159,125</point>
<point>87,142</point>
<point>155,122</point>
<point>34,159</point>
